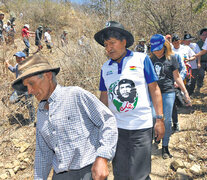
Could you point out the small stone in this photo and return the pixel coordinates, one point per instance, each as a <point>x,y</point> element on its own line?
<point>195,169</point>
<point>22,156</point>
<point>24,147</point>
<point>3,176</point>
<point>27,160</point>
<point>16,169</point>
<point>174,166</point>
<point>9,166</point>
<point>187,165</point>
<point>16,163</point>
<point>191,157</point>
<point>1,164</point>
<point>11,172</point>
<point>182,175</point>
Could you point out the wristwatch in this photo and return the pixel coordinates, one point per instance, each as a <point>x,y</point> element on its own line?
<point>159,117</point>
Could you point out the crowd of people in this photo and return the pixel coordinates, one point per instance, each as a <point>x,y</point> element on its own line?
<point>77,134</point>
<point>7,34</point>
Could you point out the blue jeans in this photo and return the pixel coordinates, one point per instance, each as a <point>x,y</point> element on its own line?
<point>168,100</point>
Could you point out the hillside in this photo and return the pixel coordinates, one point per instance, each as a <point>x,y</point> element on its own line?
<point>80,63</point>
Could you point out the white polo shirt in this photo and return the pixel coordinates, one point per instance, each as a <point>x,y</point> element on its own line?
<point>127,86</point>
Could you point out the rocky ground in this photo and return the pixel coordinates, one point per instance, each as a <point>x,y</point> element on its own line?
<point>188,147</point>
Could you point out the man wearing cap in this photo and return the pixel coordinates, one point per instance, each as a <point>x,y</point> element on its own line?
<point>17,95</point>
<point>76,134</point>
<point>201,72</point>
<point>195,64</point>
<point>1,26</point>
<point>124,83</point>
<point>187,55</point>
<point>141,46</point>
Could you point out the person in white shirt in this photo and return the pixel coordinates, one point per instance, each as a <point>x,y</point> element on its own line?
<point>187,55</point>
<point>195,64</point>
<point>47,38</point>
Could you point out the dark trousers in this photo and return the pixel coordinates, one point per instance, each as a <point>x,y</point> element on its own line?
<point>190,86</point>
<point>133,155</point>
<point>201,74</point>
<point>179,102</point>
<point>80,174</point>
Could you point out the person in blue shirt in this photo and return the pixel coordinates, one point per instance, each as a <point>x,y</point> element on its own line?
<point>76,134</point>
<point>18,95</point>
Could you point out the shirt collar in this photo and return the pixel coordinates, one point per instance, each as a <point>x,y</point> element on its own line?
<point>55,93</point>
<point>51,98</point>
<point>129,53</point>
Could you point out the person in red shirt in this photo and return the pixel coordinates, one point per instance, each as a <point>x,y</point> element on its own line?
<point>25,35</point>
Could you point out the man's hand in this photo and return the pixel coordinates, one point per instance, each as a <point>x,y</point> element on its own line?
<point>159,129</point>
<point>7,63</point>
<point>100,169</point>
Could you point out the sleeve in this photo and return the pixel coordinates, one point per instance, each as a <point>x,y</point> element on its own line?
<point>182,67</point>
<point>43,158</point>
<point>37,35</point>
<point>12,69</point>
<point>102,118</point>
<point>205,45</point>
<point>102,86</point>
<point>197,49</point>
<point>149,71</point>
<point>190,52</point>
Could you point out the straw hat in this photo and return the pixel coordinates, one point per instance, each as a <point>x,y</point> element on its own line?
<point>31,66</point>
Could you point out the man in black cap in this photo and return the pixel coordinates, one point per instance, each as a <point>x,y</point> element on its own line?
<point>203,68</point>
<point>195,64</point>
<point>128,75</point>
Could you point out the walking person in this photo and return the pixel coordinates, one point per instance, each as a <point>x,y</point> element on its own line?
<point>18,95</point>
<point>38,38</point>
<point>166,67</point>
<point>1,27</point>
<point>195,64</point>
<point>25,35</point>
<point>203,68</point>
<point>127,78</point>
<point>64,38</point>
<point>76,134</point>
<point>48,39</point>
<point>179,101</point>
<point>188,56</point>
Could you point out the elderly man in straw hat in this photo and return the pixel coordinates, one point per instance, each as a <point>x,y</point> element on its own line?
<point>134,116</point>
<point>76,134</point>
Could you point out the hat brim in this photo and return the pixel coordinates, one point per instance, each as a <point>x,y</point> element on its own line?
<point>18,83</point>
<point>157,48</point>
<point>190,39</point>
<point>202,30</point>
<point>129,38</point>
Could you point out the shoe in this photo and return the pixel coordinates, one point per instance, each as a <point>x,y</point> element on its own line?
<point>165,153</point>
<point>175,128</point>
